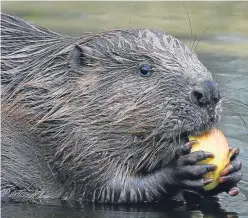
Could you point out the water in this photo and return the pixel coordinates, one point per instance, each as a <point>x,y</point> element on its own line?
<point>223,50</point>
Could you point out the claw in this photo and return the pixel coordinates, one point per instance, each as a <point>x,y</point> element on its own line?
<point>234,166</point>
<point>211,167</point>
<point>234,152</point>
<point>227,170</point>
<point>207,181</point>
<point>232,178</point>
<point>224,179</point>
<point>233,191</point>
<point>185,149</point>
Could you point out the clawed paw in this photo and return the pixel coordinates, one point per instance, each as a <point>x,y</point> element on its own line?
<point>232,174</point>
<point>188,172</point>
<point>191,174</point>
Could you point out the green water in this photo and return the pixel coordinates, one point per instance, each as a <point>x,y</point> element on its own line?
<point>227,19</point>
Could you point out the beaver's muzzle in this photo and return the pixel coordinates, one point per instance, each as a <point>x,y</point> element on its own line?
<point>206,94</point>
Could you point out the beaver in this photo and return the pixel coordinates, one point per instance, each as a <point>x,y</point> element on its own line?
<point>104,117</point>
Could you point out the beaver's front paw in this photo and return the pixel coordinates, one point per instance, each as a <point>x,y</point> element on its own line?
<point>186,173</point>
<point>231,175</point>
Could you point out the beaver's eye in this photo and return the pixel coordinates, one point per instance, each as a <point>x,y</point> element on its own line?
<point>145,71</point>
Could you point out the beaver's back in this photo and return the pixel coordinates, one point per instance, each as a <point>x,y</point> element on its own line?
<point>16,34</point>
<point>25,48</point>
<point>22,42</point>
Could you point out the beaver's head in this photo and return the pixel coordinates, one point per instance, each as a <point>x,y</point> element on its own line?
<point>140,93</point>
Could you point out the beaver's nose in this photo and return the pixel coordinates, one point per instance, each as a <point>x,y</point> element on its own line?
<point>206,94</point>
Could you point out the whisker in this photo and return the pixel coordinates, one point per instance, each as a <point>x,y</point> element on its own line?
<point>240,118</point>
<point>189,24</point>
<point>244,76</point>
<point>232,101</point>
<point>230,89</point>
<point>233,104</point>
<point>202,36</point>
<point>193,43</point>
<point>238,101</point>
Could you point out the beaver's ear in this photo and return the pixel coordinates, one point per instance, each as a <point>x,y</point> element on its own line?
<point>76,60</point>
